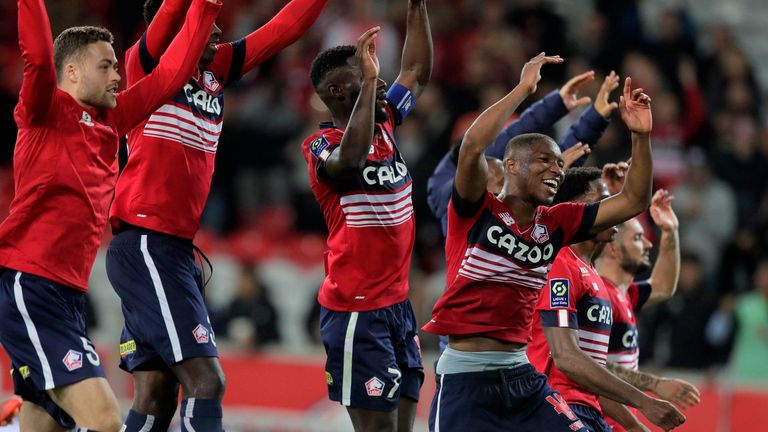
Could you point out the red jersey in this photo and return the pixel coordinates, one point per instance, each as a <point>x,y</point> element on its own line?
<point>370,221</point>
<point>165,184</point>
<point>575,298</point>
<point>496,267</point>
<point>623,348</point>
<point>65,160</point>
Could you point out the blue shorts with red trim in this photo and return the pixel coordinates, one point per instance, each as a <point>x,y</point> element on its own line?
<point>43,331</point>
<point>161,292</point>
<point>374,356</point>
<point>517,399</point>
<point>591,418</point>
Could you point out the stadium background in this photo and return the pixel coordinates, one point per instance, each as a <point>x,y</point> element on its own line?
<point>705,64</point>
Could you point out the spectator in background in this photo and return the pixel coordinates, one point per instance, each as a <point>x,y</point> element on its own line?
<point>751,346</point>
<point>708,208</point>
<point>249,321</point>
<point>679,323</point>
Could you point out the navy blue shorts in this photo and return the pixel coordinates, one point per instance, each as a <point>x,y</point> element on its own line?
<point>516,399</point>
<point>43,331</point>
<point>161,292</point>
<point>591,418</point>
<point>374,357</point>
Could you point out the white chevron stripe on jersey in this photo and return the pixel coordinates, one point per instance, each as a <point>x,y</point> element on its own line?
<point>201,128</point>
<point>373,215</point>
<point>468,273</point>
<point>184,113</point>
<point>594,337</point>
<point>484,267</point>
<point>377,198</point>
<point>378,208</point>
<point>502,261</point>
<point>181,140</point>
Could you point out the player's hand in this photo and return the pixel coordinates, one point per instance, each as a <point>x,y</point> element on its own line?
<point>678,392</point>
<point>661,212</point>
<point>9,409</point>
<point>366,53</point>
<point>574,153</point>
<point>602,106</point>
<point>635,108</point>
<point>613,175</point>
<point>531,73</point>
<point>570,91</point>
<point>662,413</point>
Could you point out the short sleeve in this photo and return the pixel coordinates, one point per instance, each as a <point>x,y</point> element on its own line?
<point>463,208</point>
<point>639,293</point>
<point>318,151</point>
<point>575,219</point>
<point>557,299</point>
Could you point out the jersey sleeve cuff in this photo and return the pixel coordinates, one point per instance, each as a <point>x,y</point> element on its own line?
<point>559,318</point>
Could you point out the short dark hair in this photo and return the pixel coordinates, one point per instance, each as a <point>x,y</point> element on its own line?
<point>74,40</point>
<point>576,183</point>
<point>150,9</point>
<point>328,61</point>
<point>521,141</point>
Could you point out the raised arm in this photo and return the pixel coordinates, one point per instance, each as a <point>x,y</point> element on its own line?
<point>544,113</point>
<point>666,271</point>
<point>578,366</point>
<point>282,30</point>
<point>635,195</point>
<point>676,391</point>
<point>593,121</point>
<point>36,43</point>
<point>472,169</point>
<point>416,63</point>
<point>164,26</point>
<point>349,157</point>
<point>176,65</point>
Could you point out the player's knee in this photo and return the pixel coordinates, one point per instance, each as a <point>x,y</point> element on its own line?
<point>209,385</point>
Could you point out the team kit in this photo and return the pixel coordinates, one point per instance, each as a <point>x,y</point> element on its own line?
<point>537,321</point>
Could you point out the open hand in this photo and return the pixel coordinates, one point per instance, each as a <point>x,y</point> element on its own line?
<point>613,175</point>
<point>635,108</point>
<point>602,105</point>
<point>366,53</point>
<point>678,391</point>
<point>531,73</point>
<point>574,153</point>
<point>570,91</point>
<point>661,211</point>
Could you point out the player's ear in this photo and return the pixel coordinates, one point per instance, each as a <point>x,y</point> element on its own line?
<point>335,91</point>
<point>71,72</point>
<point>511,166</point>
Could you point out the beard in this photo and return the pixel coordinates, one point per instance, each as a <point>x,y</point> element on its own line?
<point>634,268</point>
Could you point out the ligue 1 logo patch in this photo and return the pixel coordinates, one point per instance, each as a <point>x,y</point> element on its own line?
<point>318,148</point>
<point>201,334</point>
<point>558,293</point>
<point>374,387</point>
<point>209,81</point>
<point>73,360</point>
<point>540,233</point>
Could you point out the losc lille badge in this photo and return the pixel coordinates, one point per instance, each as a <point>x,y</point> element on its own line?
<point>201,334</point>
<point>209,80</point>
<point>374,387</point>
<point>73,360</point>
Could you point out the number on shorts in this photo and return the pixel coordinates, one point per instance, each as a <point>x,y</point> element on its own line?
<point>396,381</point>
<point>90,352</point>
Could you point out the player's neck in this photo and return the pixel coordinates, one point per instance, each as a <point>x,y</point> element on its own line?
<point>524,210</point>
<point>612,271</point>
<point>585,250</point>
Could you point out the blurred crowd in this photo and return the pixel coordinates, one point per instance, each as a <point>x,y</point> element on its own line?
<point>710,144</point>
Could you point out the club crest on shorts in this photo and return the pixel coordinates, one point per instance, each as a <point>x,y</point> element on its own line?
<point>73,360</point>
<point>374,387</point>
<point>209,80</point>
<point>201,334</point>
<point>540,233</point>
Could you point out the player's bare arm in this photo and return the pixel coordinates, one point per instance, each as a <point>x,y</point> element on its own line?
<point>472,169</point>
<point>621,414</point>
<point>578,366</point>
<point>635,195</point>
<point>353,152</point>
<point>666,271</point>
<point>672,390</point>
<point>417,59</point>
